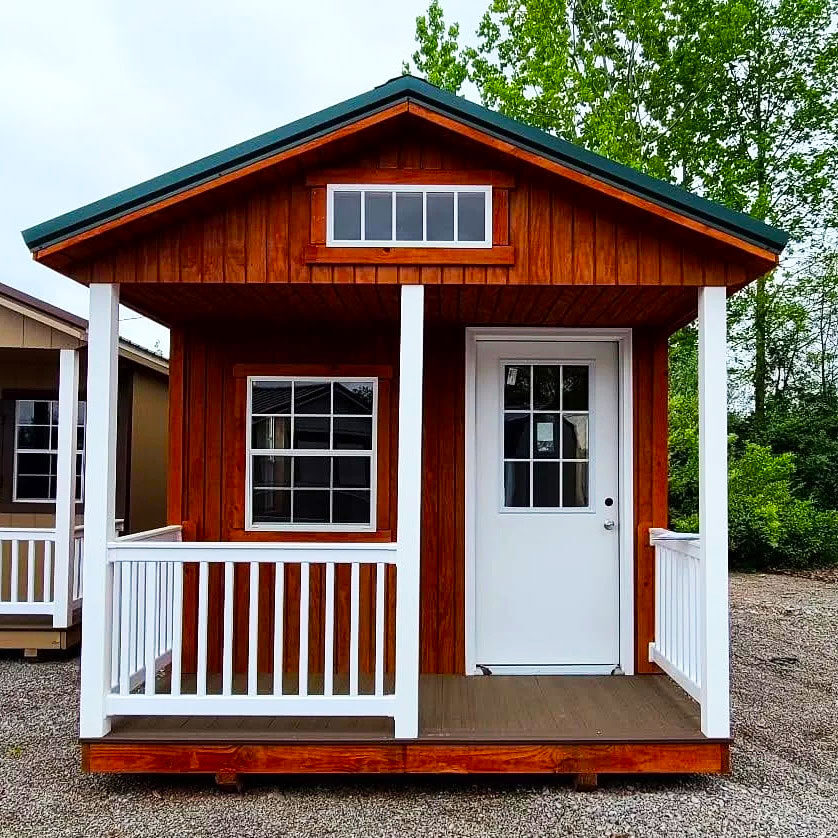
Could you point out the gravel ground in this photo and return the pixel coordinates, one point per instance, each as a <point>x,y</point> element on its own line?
<point>784,780</point>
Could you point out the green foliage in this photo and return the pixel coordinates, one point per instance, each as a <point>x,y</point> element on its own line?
<point>437,58</point>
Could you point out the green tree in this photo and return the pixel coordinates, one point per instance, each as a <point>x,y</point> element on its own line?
<point>438,56</point>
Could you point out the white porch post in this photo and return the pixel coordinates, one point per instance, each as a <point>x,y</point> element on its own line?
<point>65,493</point>
<point>712,502</point>
<point>409,510</point>
<point>99,507</point>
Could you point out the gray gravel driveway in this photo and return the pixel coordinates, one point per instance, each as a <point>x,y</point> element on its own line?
<point>784,780</point>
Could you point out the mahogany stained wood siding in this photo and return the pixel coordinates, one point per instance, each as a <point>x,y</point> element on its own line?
<point>559,233</point>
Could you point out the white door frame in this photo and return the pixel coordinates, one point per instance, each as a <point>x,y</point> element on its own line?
<point>623,339</point>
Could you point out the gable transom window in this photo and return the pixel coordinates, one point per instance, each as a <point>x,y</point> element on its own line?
<point>408,216</point>
<point>311,453</point>
<point>36,451</point>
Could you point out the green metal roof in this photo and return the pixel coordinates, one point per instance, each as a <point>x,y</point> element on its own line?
<point>405,88</point>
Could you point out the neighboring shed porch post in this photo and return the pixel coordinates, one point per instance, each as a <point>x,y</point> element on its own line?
<point>100,499</point>
<point>65,493</point>
<point>712,492</point>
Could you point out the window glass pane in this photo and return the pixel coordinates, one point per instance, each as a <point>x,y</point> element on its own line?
<point>311,432</point>
<point>312,397</point>
<point>516,435</point>
<point>574,484</point>
<point>312,471</point>
<point>471,216</point>
<point>351,472</point>
<point>516,484</point>
<point>271,397</point>
<point>53,437</point>
<point>271,506</point>
<point>79,464</point>
<point>516,389</point>
<point>79,493</point>
<point>574,388</point>
<point>82,413</point>
<point>271,471</point>
<point>575,436</point>
<point>409,216</point>
<point>546,435</point>
<point>33,488</point>
<point>545,484</point>
<point>346,221</point>
<point>353,397</point>
<point>546,387</point>
<point>271,432</point>
<point>40,412</point>
<point>378,214</point>
<point>351,507</point>
<point>26,413</point>
<point>440,222</point>
<point>310,506</point>
<point>33,436</point>
<point>80,438</point>
<point>34,463</point>
<point>355,434</point>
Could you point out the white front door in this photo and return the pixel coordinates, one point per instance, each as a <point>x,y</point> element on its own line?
<point>546,576</point>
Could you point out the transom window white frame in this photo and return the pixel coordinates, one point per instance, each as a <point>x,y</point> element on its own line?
<point>331,452</point>
<point>363,188</point>
<point>50,451</point>
<point>532,413</point>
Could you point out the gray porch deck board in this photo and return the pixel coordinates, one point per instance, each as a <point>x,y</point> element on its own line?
<point>475,710</point>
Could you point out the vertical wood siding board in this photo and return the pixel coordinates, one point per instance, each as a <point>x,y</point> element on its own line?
<point>177,402</point>
<point>299,227</point>
<point>649,259</point>
<point>388,157</point>
<point>292,618</point>
<point>627,255</point>
<point>256,238</point>
<point>540,236</point>
<point>518,234</point>
<point>500,216</point>
<point>604,250</point>
<point>583,246</point>
<point>457,604</point>
<point>430,275</point>
<point>409,153</point>
<point>191,251</point>
<point>126,265</point>
<point>343,275</point>
<point>169,256</point>
<point>318,215</point>
<point>386,275</point>
<point>670,255</point>
<point>408,275</point>
<point>365,274</point>
<point>660,430</point>
<point>475,275</point>
<point>430,508</point>
<point>430,157</point>
<point>235,247</point>
<point>213,248</point>
<point>277,235</point>
<point>497,276</point>
<point>693,268</point>
<point>561,225</point>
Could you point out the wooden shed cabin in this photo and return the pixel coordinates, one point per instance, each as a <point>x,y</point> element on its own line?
<point>417,490</point>
<point>43,358</point>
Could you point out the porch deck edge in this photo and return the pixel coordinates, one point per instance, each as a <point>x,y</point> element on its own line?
<point>401,757</point>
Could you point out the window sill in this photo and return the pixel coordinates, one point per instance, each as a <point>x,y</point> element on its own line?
<point>320,254</point>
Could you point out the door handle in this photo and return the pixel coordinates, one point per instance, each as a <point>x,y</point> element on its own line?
<point>609,525</point>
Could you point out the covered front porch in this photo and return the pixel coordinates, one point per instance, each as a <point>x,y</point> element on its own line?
<point>296,655</point>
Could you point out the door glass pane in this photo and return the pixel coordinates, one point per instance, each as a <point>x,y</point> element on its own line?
<point>378,216</point>
<point>516,484</point>
<point>546,391</point>
<point>409,216</point>
<point>471,216</point>
<point>545,484</point>
<point>575,436</point>
<point>440,216</point>
<point>574,484</point>
<point>346,221</point>
<point>546,436</point>
<point>574,388</point>
<point>516,435</point>
<point>516,388</point>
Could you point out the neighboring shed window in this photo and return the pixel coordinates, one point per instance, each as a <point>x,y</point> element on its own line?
<point>36,451</point>
<point>409,216</point>
<point>311,453</point>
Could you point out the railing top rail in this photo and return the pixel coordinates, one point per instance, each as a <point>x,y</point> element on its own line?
<point>247,551</point>
<point>147,535</point>
<point>28,533</point>
<point>680,542</point>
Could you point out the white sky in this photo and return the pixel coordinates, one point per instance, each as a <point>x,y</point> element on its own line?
<point>96,96</point>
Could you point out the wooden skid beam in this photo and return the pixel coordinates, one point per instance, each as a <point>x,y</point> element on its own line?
<point>406,758</point>
<point>40,638</point>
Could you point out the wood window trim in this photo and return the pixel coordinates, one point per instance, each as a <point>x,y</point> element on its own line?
<point>320,254</point>
<point>432,177</point>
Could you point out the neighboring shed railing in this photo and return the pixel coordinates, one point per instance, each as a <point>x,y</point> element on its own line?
<point>151,620</point>
<point>677,645</point>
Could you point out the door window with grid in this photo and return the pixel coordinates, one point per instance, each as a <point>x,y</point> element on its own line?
<point>311,453</point>
<point>545,436</point>
<point>36,451</point>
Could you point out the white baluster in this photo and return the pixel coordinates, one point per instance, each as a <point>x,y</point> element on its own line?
<point>30,571</point>
<point>177,628</point>
<point>15,570</point>
<point>203,592</point>
<point>304,605</point>
<point>150,632</point>
<point>125,625</point>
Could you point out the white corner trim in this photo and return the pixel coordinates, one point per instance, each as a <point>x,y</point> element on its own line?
<point>623,339</point>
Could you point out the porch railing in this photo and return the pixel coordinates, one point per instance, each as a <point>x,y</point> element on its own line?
<point>154,674</point>
<point>27,558</point>
<point>677,646</point>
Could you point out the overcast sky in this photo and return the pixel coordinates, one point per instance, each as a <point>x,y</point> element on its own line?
<point>96,96</point>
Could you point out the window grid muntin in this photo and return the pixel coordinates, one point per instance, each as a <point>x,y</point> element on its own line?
<point>531,412</point>
<point>50,452</point>
<point>363,188</point>
<point>292,453</point>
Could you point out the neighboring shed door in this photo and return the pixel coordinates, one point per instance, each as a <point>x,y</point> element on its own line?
<point>546,574</point>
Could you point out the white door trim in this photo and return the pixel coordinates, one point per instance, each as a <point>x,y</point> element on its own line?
<point>623,339</point>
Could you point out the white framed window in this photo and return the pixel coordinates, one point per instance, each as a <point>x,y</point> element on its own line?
<point>36,451</point>
<point>404,215</point>
<point>311,453</point>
